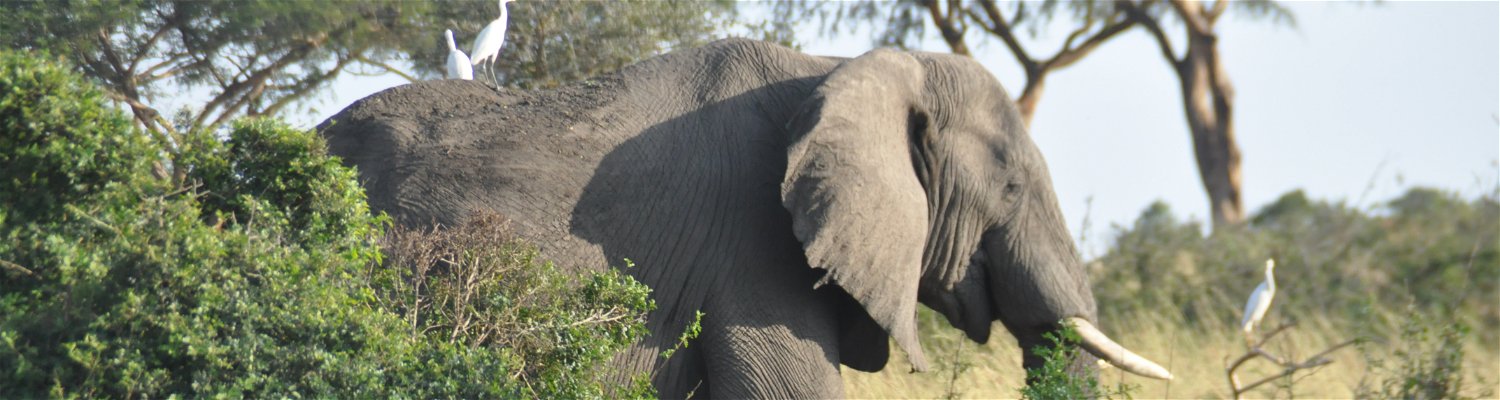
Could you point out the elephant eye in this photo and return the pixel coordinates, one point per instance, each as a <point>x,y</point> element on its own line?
<point>1012,190</point>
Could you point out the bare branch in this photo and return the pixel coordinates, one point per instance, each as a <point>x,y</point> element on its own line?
<point>1218,9</point>
<point>1000,28</point>
<point>1136,12</point>
<point>308,86</point>
<point>10,266</point>
<point>1191,13</point>
<point>953,36</point>
<point>384,66</point>
<point>1288,368</point>
<point>250,82</point>
<point>1067,56</point>
<point>154,73</point>
<point>140,53</point>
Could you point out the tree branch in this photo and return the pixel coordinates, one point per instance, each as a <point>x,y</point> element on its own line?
<point>1310,362</point>
<point>1192,15</point>
<point>251,81</point>
<point>1066,56</point>
<point>1000,28</point>
<point>309,85</point>
<point>1137,13</point>
<point>15,267</point>
<point>953,36</point>
<point>140,53</point>
<point>387,67</point>
<point>1218,10</point>
<point>1288,367</point>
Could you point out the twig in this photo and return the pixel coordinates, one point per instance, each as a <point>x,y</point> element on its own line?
<point>1311,362</point>
<point>1288,367</point>
<point>96,221</point>
<point>15,267</point>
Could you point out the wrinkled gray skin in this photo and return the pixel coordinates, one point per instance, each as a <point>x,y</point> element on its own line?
<point>805,204</point>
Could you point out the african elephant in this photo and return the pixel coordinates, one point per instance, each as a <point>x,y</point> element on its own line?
<point>805,204</point>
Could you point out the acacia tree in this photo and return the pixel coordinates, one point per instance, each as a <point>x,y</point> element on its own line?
<point>1207,92</point>
<point>958,21</point>
<point>259,57</point>
<point>254,57</point>
<point>554,42</point>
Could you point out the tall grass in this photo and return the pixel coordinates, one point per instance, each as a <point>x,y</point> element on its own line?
<point>1175,296</point>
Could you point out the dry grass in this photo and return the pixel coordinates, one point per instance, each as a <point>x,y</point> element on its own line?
<point>1197,359</point>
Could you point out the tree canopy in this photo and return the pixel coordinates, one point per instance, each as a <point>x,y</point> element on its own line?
<point>260,57</point>
<point>553,42</point>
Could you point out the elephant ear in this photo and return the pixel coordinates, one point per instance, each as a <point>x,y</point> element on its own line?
<point>854,197</point>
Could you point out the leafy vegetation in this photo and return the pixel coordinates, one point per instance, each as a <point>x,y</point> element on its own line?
<point>1056,380</point>
<point>477,286</point>
<point>550,43</point>
<point>263,276</point>
<point>1425,261</point>
<point>1429,361</point>
<point>263,57</point>
<point>1426,252</point>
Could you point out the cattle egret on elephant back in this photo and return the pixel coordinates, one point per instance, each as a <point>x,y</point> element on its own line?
<point>487,45</point>
<point>459,66</point>
<point>1260,301</point>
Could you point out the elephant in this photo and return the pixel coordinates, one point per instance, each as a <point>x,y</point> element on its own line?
<point>804,204</point>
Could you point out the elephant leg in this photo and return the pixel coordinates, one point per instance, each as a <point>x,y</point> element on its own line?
<point>772,344</point>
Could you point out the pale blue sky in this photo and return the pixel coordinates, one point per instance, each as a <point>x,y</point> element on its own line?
<point>1398,94</point>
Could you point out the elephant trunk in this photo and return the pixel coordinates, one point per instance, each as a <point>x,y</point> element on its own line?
<point>1034,263</point>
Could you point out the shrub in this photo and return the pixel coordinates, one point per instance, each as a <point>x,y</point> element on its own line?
<point>1425,248</point>
<point>477,286</point>
<point>1056,378</point>
<point>1429,361</point>
<point>254,279</point>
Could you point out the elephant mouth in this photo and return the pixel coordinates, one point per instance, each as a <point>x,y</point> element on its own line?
<point>974,314</point>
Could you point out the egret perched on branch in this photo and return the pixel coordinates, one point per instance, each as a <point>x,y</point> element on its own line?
<point>487,44</point>
<point>1260,300</point>
<point>459,66</point>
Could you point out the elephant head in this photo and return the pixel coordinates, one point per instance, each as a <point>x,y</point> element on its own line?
<point>910,177</point>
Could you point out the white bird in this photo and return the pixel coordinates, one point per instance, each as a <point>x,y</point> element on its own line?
<point>459,66</point>
<point>1260,300</point>
<point>486,47</point>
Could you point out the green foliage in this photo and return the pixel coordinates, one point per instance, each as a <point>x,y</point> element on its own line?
<point>254,57</point>
<point>1055,379</point>
<point>694,329</point>
<point>549,43</point>
<point>260,57</point>
<point>1429,358</point>
<point>54,153</point>
<point>478,287</point>
<point>1427,248</point>
<point>257,280</point>
<point>267,164</point>
<point>128,293</point>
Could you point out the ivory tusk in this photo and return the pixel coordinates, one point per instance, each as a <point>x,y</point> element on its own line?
<point>1100,345</point>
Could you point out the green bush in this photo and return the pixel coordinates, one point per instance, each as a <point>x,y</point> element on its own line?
<point>1429,359</point>
<point>1056,378</point>
<point>477,286</point>
<point>1426,248</point>
<point>254,278</point>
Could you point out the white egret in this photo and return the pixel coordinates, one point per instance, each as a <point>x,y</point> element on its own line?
<point>1260,300</point>
<point>459,66</point>
<point>486,47</point>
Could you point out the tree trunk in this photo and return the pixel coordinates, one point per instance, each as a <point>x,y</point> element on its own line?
<point>1207,100</point>
<point>1030,96</point>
